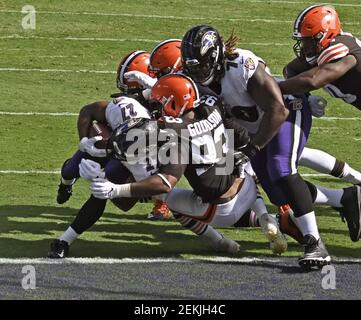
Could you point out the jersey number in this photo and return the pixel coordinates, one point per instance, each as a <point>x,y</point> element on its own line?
<point>128,111</point>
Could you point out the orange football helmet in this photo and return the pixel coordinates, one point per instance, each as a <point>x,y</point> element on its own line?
<point>176,93</point>
<point>166,58</point>
<point>314,29</point>
<point>134,61</point>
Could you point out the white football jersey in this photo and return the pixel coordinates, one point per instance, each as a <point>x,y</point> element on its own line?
<point>122,109</point>
<point>234,89</point>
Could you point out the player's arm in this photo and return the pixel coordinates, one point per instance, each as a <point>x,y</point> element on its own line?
<point>160,183</point>
<point>295,67</point>
<point>90,112</point>
<point>266,93</point>
<point>318,77</point>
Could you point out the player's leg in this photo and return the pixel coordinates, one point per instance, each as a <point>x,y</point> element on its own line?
<point>268,223</point>
<point>70,173</point>
<point>347,201</point>
<point>91,211</point>
<point>87,216</point>
<point>286,186</point>
<point>325,163</point>
<point>194,215</point>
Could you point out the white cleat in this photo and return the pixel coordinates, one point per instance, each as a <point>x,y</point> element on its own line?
<point>272,232</point>
<point>226,245</point>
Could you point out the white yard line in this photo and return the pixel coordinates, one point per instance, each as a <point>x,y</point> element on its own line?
<point>15,36</point>
<point>30,171</point>
<point>51,114</point>
<point>173,17</point>
<point>244,260</point>
<point>68,114</point>
<point>56,70</point>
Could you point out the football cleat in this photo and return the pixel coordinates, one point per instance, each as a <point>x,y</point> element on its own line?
<point>160,211</point>
<point>287,226</point>
<point>64,193</point>
<point>270,228</point>
<point>59,249</point>
<point>226,245</point>
<point>316,254</point>
<point>351,211</point>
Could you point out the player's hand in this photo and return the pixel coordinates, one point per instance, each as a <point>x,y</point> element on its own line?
<point>244,153</point>
<point>103,189</point>
<point>90,170</point>
<point>88,145</point>
<point>317,105</point>
<point>143,79</point>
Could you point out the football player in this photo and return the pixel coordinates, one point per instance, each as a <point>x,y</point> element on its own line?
<point>135,61</point>
<point>278,133</point>
<point>327,57</point>
<point>165,58</point>
<point>122,108</point>
<point>218,199</point>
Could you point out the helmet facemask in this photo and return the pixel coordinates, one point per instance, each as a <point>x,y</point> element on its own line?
<point>308,48</point>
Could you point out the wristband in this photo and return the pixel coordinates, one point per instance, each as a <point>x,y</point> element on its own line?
<point>122,191</point>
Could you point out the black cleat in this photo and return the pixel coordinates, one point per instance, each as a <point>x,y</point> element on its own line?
<point>59,249</point>
<point>316,254</point>
<point>351,211</point>
<point>64,193</point>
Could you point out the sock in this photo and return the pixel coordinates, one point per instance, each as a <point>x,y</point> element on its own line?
<point>351,175</point>
<point>308,225</point>
<point>248,220</point>
<point>197,227</point>
<point>330,197</point>
<point>211,235</point>
<point>317,160</point>
<point>259,207</point>
<point>69,235</point>
<point>68,182</point>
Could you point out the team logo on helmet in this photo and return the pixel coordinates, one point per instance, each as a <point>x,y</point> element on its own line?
<point>208,41</point>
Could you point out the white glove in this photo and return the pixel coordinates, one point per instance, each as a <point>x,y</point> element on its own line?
<point>89,169</point>
<point>318,105</point>
<point>143,79</point>
<point>104,189</point>
<point>88,145</point>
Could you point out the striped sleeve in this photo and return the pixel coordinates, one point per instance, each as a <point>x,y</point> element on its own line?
<point>332,53</point>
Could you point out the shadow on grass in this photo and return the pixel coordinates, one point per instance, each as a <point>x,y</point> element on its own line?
<point>26,231</point>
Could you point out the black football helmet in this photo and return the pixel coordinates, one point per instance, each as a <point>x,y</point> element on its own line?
<point>121,142</point>
<point>202,54</point>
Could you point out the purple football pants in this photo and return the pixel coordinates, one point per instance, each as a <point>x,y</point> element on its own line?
<point>114,170</point>
<point>280,157</point>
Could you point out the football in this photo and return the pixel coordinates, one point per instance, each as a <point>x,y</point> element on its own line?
<point>99,129</point>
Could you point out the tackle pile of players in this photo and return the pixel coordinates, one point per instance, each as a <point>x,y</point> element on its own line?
<point>226,103</point>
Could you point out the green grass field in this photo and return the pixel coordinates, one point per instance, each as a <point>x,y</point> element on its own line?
<point>69,60</point>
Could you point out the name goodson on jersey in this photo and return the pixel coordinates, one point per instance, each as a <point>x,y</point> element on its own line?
<point>204,126</point>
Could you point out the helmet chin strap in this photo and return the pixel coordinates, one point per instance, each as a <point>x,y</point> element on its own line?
<point>208,81</point>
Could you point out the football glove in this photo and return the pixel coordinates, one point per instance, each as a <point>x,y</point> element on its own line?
<point>88,145</point>
<point>104,189</point>
<point>143,79</point>
<point>244,153</point>
<point>90,170</point>
<point>317,105</point>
